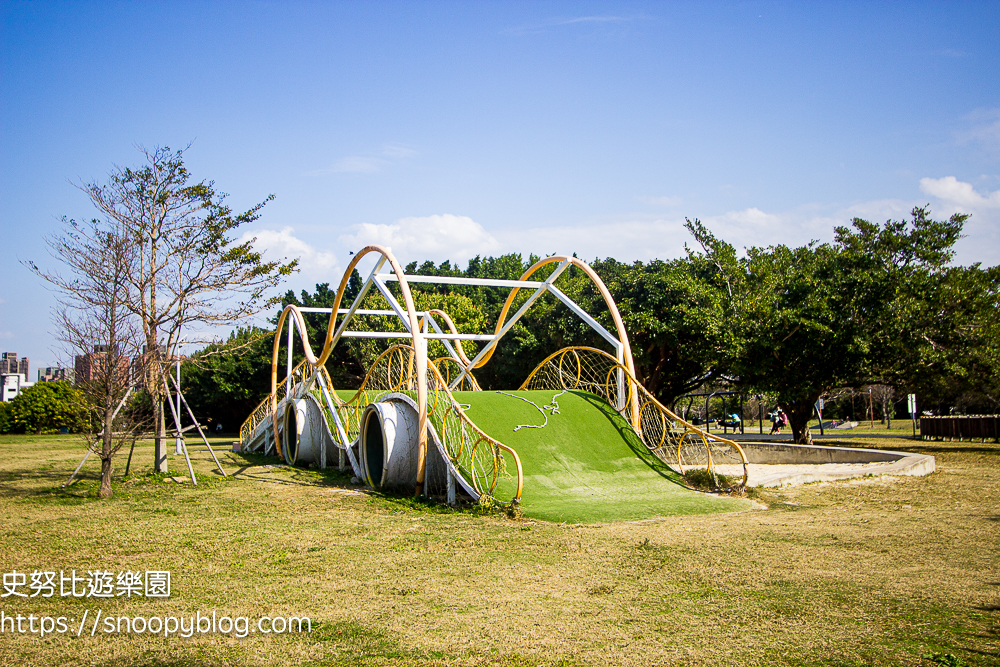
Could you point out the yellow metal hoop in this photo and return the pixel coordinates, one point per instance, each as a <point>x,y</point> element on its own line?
<point>579,370</point>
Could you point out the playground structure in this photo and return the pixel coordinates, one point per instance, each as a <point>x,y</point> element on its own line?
<point>404,427</point>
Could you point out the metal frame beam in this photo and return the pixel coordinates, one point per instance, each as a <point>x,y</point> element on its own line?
<point>512,321</point>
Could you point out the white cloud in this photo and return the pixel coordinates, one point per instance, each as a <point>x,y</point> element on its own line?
<point>644,239</point>
<point>355,164</point>
<point>314,264</point>
<point>959,193</point>
<point>6,334</point>
<point>432,237</point>
<point>753,217</point>
<point>794,227</point>
<point>370,163</point>
<point>458,238</point>
<point>625,240</point>
<point>878,210</point>
<point>630,239</point>
<point>982,230</point>
<point>983,129</point>
<point>573,20</point>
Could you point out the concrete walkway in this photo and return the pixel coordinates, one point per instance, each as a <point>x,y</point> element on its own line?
<point>779,464</point>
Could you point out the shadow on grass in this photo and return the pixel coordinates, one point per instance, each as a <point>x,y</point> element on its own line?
<point>273,470</point>
<point>988,654</point>
<point>261,468</point>
<point>52,483</point>
<point>631,438</point>
<point>49,484</point>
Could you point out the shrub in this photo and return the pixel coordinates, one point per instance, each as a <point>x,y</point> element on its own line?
<point>5,419</point>
<point>47,407</point>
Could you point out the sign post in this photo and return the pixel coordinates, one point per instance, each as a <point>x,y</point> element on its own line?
<point>911,406</point>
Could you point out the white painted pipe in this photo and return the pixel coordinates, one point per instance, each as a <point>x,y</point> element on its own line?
<point>389,450</point>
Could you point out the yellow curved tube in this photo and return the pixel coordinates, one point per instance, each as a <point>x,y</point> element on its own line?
<point>608,301</point>
<point>420,350</point>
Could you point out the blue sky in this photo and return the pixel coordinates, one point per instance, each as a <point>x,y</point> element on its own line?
<point>452,129</point>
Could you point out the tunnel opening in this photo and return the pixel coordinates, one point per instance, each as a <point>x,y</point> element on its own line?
<point>374,449</point>
<point>291,434</point>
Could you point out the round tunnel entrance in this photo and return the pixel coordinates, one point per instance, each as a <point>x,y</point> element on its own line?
<point>374,452</point>
<point>290,436</point>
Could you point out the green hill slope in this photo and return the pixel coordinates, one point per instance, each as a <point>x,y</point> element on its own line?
<point>586,465</point>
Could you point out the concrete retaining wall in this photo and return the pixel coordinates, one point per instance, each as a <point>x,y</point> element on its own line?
<point>781,464</point>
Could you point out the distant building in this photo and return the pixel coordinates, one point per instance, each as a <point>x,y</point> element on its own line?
<point>56,374</point>
<point>9,364</point>
<point>12,384</point>
<point>88,367</point>
<point>144,360</point>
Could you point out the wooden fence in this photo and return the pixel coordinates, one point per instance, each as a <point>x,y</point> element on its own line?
<point>966,427</point>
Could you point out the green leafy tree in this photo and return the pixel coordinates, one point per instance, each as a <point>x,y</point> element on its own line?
<point>848,313</point>
<point>960,368</point>
<point>48,407</point>
<point>678,321</point>
<point>6,422</point>
<point>224,382</point>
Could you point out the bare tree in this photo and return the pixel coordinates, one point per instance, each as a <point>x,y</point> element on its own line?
<point>186,270</point>
<point>883,394</point>
<point>94,323</point>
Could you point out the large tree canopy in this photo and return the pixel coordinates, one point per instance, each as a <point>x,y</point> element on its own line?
<point>879,304</point>
<point>847,313</point>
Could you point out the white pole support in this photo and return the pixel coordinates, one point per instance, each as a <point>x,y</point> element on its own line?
<point>179,441</point>
<point>288,366</point>
<point>457,382</point>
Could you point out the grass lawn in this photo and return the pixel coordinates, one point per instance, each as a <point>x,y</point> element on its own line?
<point>878,571</point>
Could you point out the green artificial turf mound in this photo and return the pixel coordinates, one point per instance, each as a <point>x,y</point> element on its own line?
<point>586,465</point>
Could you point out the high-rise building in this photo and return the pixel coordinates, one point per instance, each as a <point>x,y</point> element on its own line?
<point>9,364</point>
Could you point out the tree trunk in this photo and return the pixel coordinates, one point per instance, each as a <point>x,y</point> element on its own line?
<point>105,491</point>
<point>107,450</point>
<point>159,442</point>
<point>799,413</point>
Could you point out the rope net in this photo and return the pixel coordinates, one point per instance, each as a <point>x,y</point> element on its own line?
<point>262,413</point>
<point>673,440</point>
<point>481,460</point>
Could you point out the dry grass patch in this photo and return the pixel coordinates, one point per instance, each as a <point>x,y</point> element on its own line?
<point>879,571</point>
